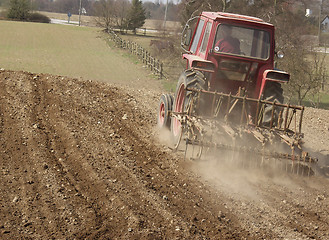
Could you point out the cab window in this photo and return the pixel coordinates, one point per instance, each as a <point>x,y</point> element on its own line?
<point>248,42</point>
<point>197,36</point>
<point>205,38</point>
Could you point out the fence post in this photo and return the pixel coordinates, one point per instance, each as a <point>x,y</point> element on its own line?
<point>143,56</point>
<point>136,49</point>
<point>161,70</point>
<point>147,59</point>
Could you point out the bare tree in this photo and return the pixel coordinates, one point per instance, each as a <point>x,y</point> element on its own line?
<point>104,12</point>
<point>122,7</point>
<point>308,73</point>
<point>294,36</point>
<point>192,8</point>
<point>65,6</point>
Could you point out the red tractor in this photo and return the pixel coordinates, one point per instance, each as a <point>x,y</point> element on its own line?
<point>230,94</point>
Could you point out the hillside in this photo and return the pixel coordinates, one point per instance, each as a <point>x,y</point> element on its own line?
<point>81,159</point>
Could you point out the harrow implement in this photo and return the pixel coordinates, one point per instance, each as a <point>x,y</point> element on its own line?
<point>235,123</point>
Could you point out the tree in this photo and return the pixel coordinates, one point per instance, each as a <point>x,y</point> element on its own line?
<point>192,8</point>
<point>294,33</point>
<point>19,9</point>
<point>136,16</point>
<point>105,13</point>
<point>65,6</point>
<point>121,13</point>
<point>308,73</point>
<point>4,3</point>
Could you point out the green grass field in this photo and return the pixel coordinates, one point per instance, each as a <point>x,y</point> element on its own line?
<point>65,50</point>
<point>79,52</point>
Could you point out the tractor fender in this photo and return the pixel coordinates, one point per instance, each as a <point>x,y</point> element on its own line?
<point>273,76</point>
<point>198,63</point>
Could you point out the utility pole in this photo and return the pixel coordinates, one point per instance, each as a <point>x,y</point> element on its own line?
<point>165,17</point>
<point>80,14</point>
<point>319,30</point>
<point>32,6</point>
<point>274,8</point>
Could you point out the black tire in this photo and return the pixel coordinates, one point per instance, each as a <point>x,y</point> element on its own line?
<point>182,100</point>
<point>165,106</point>
<point>195,80</point>
<point>273,93</point>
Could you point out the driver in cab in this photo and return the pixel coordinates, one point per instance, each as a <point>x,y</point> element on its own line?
<point>227,43</point>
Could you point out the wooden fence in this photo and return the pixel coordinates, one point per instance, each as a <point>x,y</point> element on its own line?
<point>154,64</point>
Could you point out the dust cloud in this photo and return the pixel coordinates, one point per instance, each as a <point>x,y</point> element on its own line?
<point>239,174</point>
<point>164,136</point>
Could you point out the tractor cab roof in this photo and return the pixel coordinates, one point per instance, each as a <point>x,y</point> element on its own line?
<point>218,16</point>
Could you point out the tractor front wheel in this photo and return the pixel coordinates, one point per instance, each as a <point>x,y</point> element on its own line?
<point>273,93</point>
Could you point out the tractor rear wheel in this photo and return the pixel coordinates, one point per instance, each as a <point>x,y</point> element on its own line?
<point>165,106</point>
<point>182,100</point>
<point>273,93</point>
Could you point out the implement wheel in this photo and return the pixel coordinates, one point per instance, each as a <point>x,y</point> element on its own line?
<point>165,106</point>
<point>182,100</point>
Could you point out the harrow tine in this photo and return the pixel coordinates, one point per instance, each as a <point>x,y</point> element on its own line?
<point>199,154</point>
<point>213,103</point>
<point>257,112</point>
<point>243,110</point>
<point>227,107</point>
<point>286,166</point>
<point>292,159</point>
<point>233,152</point>
<point>193,148</point>
<point>286,117</point>
<point>263,154</point>
<point>186,148</point>
<point>304,159</point>
<point>298,165</point>
<point>309,167</point>
<point>272,114</point>
<point>301,120</point>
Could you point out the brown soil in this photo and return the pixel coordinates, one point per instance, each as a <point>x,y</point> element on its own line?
<point>82,159</point>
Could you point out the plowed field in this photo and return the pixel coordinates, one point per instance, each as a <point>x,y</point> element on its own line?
<point>83,160</point>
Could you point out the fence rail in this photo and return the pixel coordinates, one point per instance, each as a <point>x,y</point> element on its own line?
<point>154,64</point>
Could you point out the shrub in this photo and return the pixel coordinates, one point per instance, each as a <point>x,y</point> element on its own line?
<point>19,10</point>
<point>38,17</point>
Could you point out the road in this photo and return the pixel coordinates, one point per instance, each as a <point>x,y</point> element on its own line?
<point>65,22</point>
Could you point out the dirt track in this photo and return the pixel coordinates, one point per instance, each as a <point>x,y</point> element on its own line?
<point>81,159</point>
